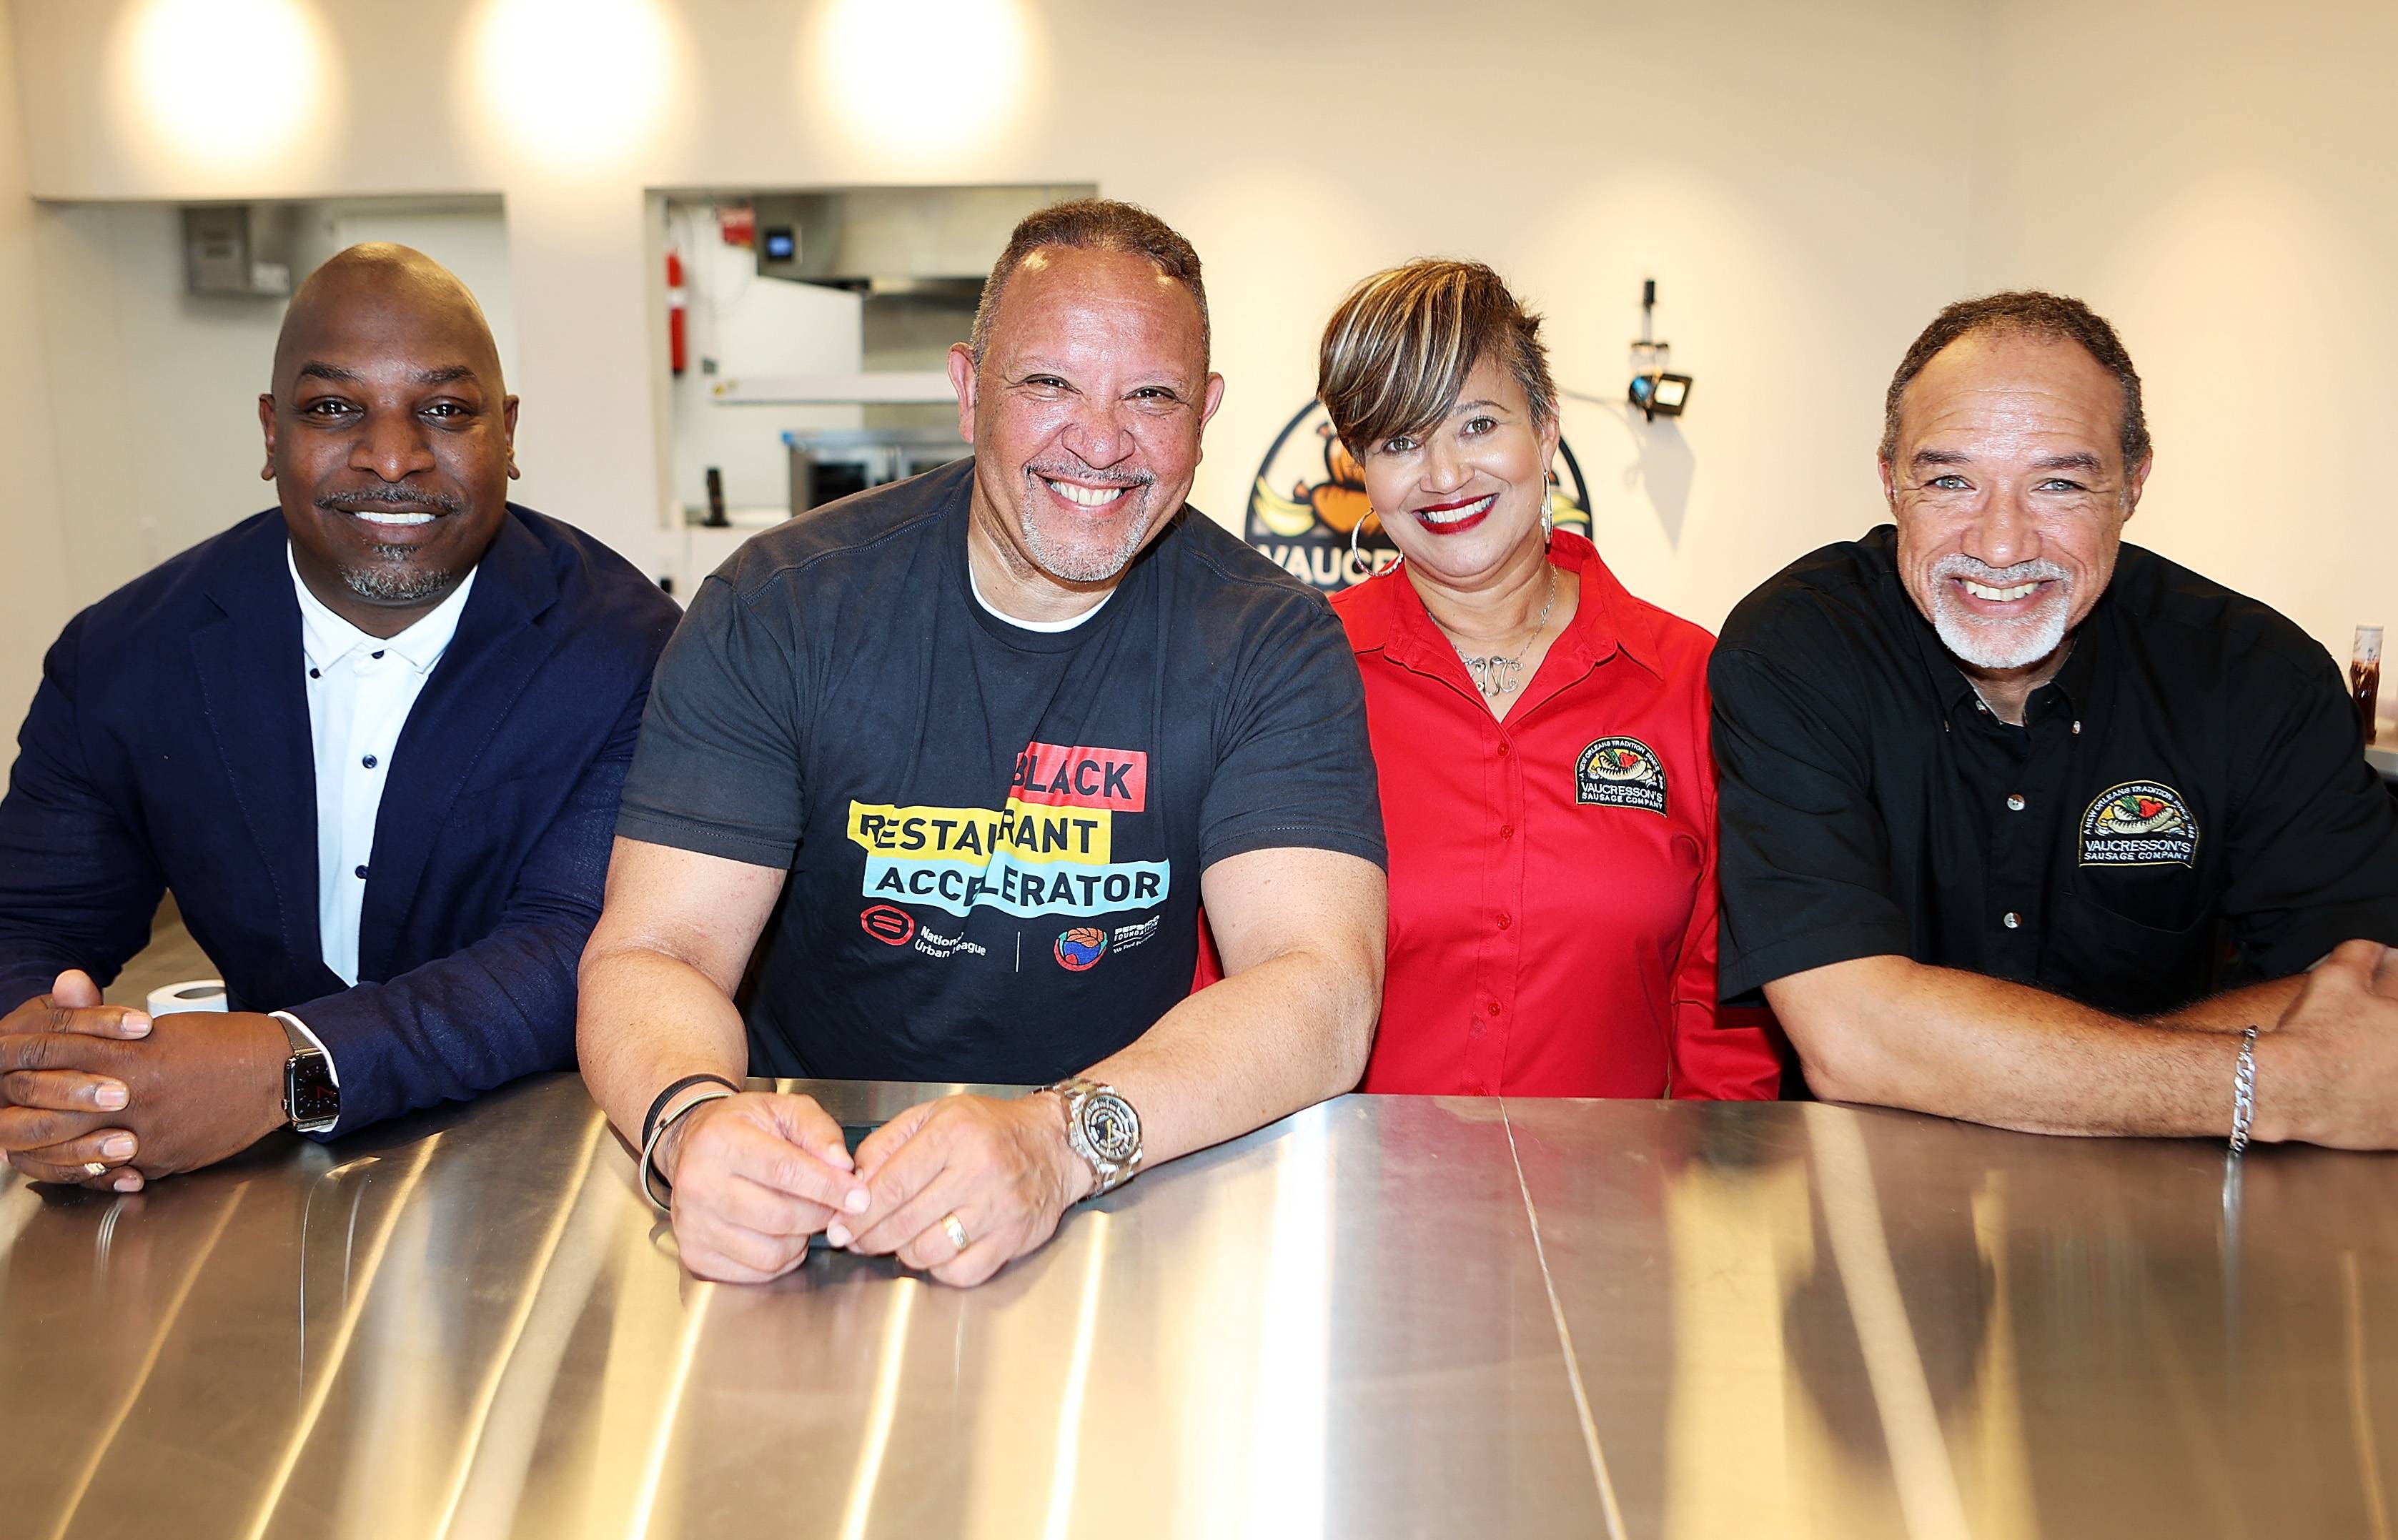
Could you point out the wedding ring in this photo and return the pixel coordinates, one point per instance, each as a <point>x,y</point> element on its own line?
<point>955,1230</point>
<point>94,1167</point>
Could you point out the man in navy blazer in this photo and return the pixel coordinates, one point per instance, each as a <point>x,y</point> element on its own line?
<point>372,740</point>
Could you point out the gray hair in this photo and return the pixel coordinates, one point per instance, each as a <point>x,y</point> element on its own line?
<point>1092,224</point>
<point>2037,313</point>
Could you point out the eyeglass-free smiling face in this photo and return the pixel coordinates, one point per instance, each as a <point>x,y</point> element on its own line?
<point>1462,499</point>
<point>388,435</point>
<point>1086,413</point>
<point>2010,494</point>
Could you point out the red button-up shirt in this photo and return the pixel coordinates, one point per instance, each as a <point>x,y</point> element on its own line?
<point>1552,876</point>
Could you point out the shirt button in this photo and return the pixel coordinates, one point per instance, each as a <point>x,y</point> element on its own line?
<point>369,763</point>
<point>1506,921</point>
<point>1492,1008</point>
<point>2014,802</point>
<point>314,674</point>
<point>2077,729</point>
<point>2011,920</point>
<point>1503,751</point>
<point>1482,1087</point>
<point>377,654</point>
<point>1506,831</point>
<point>361,871</point>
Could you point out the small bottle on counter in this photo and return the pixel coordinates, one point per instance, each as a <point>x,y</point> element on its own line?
<point>2364,675</point>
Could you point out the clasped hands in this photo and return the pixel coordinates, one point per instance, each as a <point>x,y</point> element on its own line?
<point>106,1096</point>
<point>756,1175</point>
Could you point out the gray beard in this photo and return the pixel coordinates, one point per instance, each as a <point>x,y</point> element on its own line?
<point>405,585</point>
<point>2000,645</point>
<point>1085,566</point>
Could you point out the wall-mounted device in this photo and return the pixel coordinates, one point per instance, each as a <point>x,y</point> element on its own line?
<point>1657,391</point>
<point>242,249</point>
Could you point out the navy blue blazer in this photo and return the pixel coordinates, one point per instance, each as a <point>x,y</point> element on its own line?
<point>168,748</point>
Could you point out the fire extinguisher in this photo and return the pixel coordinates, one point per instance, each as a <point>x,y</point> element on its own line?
<point>678,349</point>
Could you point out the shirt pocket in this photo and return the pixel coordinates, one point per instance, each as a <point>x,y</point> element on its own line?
<point>2117,963</point>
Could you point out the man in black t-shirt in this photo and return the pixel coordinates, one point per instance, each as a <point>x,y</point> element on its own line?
<point>1997,789</point>
<point>980,742</point>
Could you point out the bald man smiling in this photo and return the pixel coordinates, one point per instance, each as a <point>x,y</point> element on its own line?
<point>371,740</point>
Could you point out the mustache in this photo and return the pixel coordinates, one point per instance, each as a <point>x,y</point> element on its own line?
<point>388,500</point>
<point>1958,565</point>
<point>1073,465</point>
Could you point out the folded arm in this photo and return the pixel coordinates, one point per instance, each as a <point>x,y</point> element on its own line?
<point>1300,932</point>
<point>1899,1033</point>
<point>753,1175</point>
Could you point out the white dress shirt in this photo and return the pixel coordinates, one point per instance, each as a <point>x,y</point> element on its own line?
<point>361,690</point>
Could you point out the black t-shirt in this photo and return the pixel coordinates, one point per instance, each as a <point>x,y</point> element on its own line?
<point>994,835</point>
<point>2194,775</point>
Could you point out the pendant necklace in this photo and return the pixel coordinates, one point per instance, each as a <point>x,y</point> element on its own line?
<point>1494,674</point>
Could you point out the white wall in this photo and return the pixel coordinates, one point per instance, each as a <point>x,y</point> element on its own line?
<point>1808,183</point>
<point>749,326</point>
<point>154,390</point>
<point>2222,184</point>
<point>32,554</point>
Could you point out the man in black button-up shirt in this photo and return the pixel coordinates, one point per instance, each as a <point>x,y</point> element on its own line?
<point>2010,809</point>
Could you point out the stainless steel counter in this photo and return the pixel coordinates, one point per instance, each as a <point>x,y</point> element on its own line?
<point>1382,1316</point>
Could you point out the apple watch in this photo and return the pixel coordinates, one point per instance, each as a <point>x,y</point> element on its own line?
<point>312,1101</point>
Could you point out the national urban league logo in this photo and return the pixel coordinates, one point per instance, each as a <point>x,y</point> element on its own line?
<point>1620,772</point>
<point>1310,494</point>
<point>2138,823</point>
<point>888,924</point>
<point>1080,949</point>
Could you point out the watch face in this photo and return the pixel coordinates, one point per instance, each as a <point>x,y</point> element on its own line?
<point>309,1091</point>
<point>1111,1126</point>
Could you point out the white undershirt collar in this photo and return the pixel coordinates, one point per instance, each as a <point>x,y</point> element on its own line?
<point>1050,626</point>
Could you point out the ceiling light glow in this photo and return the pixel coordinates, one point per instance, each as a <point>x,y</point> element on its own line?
<point>224,85</point>
<point>574,83</point>
<point>922,79</point>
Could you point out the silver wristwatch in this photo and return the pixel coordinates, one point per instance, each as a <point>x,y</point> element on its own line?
<point>1104,1129</point>
<point>312,1099</point>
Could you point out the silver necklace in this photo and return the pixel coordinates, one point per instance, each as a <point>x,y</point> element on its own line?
<point>1494,674</point>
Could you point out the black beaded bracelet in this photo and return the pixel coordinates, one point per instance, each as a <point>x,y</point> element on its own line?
<point>650,1118</point>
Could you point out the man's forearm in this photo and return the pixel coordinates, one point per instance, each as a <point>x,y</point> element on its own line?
<point>2256,1005</point>
<point>1259,1046</point>
<point>1897,1033</point>
<point>647,1020</point>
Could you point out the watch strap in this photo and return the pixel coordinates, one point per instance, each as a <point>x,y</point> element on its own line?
<point>1108,1172</point>
<point>312,1099</point>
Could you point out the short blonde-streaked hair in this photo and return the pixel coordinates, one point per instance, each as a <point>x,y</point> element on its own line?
<point>1396,355</point>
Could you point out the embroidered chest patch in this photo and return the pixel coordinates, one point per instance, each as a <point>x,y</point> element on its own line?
<point>1620,772</point>
<point>2138,823</point>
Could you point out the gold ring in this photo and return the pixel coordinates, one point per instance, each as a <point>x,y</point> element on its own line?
<point>955,1230</point>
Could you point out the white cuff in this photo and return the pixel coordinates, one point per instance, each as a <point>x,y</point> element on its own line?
<point>296,1024</point>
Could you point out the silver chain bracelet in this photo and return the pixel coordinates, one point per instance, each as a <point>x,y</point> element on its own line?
<point>2243,1091</point>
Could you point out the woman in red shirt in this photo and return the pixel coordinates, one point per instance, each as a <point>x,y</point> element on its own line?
<point>1540,735</point>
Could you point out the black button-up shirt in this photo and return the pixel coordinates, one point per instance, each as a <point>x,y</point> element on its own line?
<point>2193,776</point>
